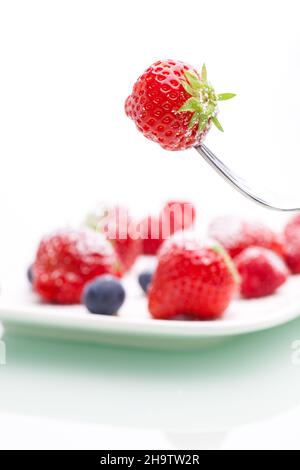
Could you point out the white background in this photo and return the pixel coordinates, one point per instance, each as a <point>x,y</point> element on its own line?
<point>66,68</point>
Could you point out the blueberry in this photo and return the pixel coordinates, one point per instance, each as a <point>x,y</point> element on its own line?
<point>144,280</point>
<point>30,274</point>
<point>104,295</point>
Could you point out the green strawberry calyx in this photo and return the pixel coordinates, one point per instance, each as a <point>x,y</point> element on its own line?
<point>203,100</point>
<point>228,261</point>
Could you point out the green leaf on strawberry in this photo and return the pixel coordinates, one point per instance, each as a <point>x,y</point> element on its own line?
<point>193,80</point>
<point>204,73</point>
<point>192,104</point>
<point>187,87</point>
<point>202,125</point>
<point>217,123</point>
<point>195,118</point>
<point>225,96</point>
<point>203,100</point>
<point>228,261</point>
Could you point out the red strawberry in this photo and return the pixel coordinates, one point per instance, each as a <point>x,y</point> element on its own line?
<point>292,253</point>
<point>152,234</point>
<point>235,234</point>
<point>192,280</point>
<point>292,244</point>
<point>173,105</point>
<point>179,214</point>
<point>292,228</point>
<point>128,250</point>
<point>115,224</point>
<point>261,272</point>
<point>68,259</point>
<point>175,216</point>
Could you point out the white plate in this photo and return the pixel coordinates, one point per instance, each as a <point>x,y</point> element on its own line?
<point>21,311</point>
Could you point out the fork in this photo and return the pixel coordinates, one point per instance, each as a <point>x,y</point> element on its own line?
<point>261,195</point>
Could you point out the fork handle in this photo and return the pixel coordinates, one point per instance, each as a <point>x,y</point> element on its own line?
<point>241,185</point>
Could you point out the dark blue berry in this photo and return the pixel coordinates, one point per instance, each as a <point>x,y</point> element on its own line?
<point>104,295</point>
<point>30,274</point>
<point>144,280</point>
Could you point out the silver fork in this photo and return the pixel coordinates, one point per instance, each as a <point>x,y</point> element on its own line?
<point>260,195</point>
